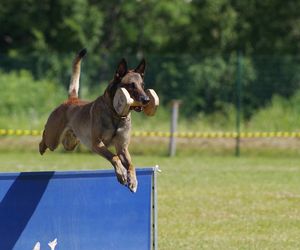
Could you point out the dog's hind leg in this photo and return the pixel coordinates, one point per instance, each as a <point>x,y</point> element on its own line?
<point>42,145</point>
<point>69,140</point>
<point>54,128</point>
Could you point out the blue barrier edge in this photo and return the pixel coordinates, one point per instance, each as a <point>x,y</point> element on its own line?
<point>69,174</point>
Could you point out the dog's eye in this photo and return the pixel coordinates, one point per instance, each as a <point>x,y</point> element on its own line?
<point>132,85</point>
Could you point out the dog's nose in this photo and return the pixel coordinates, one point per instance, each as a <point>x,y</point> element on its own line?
<point>145,99</point>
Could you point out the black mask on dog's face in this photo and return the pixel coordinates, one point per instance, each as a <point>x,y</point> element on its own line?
<point>133,82</point>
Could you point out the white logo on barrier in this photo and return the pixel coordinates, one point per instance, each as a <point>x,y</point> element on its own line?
<point>51,244</point>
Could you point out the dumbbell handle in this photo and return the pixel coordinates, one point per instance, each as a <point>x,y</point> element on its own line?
<point>137,104</point>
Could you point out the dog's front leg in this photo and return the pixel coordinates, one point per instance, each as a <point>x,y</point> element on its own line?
<point>121,171</point>
<point>124,156</point>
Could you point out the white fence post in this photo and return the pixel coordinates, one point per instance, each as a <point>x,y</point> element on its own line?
<point>173,129</point>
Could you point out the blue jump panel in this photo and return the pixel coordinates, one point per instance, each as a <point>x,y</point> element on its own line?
<point>84,210</point>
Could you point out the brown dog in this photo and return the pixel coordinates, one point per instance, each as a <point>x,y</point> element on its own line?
<point>96,124</point>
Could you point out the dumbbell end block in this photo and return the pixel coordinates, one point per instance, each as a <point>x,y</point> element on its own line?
<point>151,107</point>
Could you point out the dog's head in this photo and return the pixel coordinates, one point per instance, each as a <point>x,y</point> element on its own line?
<point>132,81</point>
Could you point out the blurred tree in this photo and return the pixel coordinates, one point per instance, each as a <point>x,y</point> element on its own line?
<point>268,27</point>
<point>51,25</point>
<point>190,45</point>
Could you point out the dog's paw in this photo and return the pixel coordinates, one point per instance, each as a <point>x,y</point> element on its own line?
<point>121,174</point>
<point>132,182</point>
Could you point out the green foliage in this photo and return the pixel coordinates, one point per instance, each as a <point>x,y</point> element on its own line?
<point>280,114</point>
<point>26,103</point>
<point>204,85</point>
<point>212,83</point>
<point>190,46</point>
<point>22,98</point>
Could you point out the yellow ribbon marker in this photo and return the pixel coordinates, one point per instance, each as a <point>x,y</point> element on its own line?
<point>196,135</point>
<point>279,134</point>
<point>35,132</point>
<point>167,134</point>
<point>204,135</point>
<point>160,134</point>
<point>228,135</point>
<point>10,132</point>
<point>19,132</point>
<point>190,135</point>
<point>243,135</point>
<point>152,134</point>
<point>3,131</point>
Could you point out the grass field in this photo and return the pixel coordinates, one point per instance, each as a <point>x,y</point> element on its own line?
<point>207,202</point>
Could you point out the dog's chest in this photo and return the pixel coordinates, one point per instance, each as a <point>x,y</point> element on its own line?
<point>116,132</point>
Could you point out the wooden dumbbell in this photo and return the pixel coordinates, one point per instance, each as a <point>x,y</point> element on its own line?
<point>123,102</point>
<point>151,107</point>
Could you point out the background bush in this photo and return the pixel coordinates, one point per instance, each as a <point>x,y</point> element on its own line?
<point>26,100</point>
<point>191,48</point>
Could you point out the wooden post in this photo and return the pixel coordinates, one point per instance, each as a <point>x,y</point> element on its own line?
<point>173,129</point>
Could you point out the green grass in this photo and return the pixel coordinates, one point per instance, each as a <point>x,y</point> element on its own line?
<point>207,202</point>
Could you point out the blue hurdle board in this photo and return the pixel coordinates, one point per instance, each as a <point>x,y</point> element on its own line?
<point>83,210</point>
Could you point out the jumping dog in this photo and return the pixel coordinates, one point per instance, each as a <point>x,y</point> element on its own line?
<point>96,124</point>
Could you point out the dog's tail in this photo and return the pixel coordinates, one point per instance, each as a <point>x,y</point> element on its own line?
<point>74,83</point>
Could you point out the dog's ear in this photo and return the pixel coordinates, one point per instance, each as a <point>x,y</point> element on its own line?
<point>141,68</point>
<point>122,69</point>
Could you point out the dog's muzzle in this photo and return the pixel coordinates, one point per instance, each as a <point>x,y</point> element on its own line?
<point>144,99</point>
<point>123,102</point>
<point>137,108</point>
